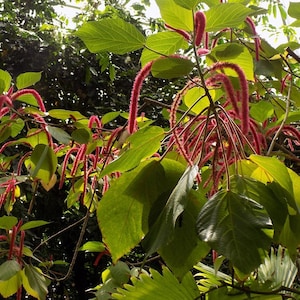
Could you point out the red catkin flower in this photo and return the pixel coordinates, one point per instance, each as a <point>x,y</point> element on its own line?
<point>34,93</point>
<point>256,38</point>
<point>183,33</point>
<point>243,88</point>
<point>200,23</point>
<point>136,90</point>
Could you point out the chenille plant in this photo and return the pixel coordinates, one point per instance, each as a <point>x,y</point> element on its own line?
<point>218,184</point>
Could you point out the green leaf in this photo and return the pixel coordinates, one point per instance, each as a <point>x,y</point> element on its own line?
<point>162,231</point>
<point>276,169</point>
<point>110,116</point>
<point>162,43</point>
<point>188,4</point>
<point>159,287</point>
<point>5,81</point>
<point>113,35</point>
<point>171,67</point>
<point>33,224</point>
<point>59,134</point>
<point>294,10</point>
<point>27,79</point>
<point>124,209</point>
<point>92,246</point>
<point>120,272</point>
<point>9,269</point>
<point>82,135</point>
<point>226,15</point>
<point>175,15</point>
<point>142,144</point>
<point>234,226</point>
<point>64,114</point>
<point>11,286</point>
<point>261,111</point>
<point>8,222</point>
<point>42,163</point>
<point>236,54</point>
<point>34,282</point>
<point>186,249</point>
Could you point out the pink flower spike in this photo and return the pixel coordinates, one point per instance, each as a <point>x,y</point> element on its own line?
<point>135,94</point>
<point>202,52</point>
<point>200,24</point>
<point>34,93</point>
<point>183,33</point>
<point>256,37</point>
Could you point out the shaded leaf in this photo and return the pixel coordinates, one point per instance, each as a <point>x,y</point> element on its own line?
<point>261,111</point>
<point>27,79</point>
<point>294,10</point>
<point>162,231</point>
<point>9,269</point>
<point>59,134</point>
<point>81,135</point>
<point>34,282</point>
<point>233,225</point>
<point>186,249</point>
<point>171,67</point>
<point>113,35</point>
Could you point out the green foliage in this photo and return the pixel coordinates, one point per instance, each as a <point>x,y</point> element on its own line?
<point>215,173</point>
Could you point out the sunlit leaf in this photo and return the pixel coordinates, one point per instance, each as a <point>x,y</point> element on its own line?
<point>124,209</point>
<point>10,287</point>
<point>42,163</point>
<point>64,114</point>
<point>33,224</point>
<point>92,246</point>
<point>234,225</point>
<point>5,81</point>
<point>188,4</point>
<point>159,287</point>
<point>175,15</point>
<point>8,222</point>
<point>142,144</point>
<point>226,15</point>
<point>294,10</point>
<point>162,43</point>
<point>261,111</point>
<point>110,116</point>
<point>113,35</point>
<point>27,79</point>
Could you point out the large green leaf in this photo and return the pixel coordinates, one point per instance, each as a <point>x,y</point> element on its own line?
<point>234,225</point>
<point>42,163</point>
<point>171,67</point>
<point>64,114</point>
<point>113,35</point>
<point>188,4</point>
<point>162,231</point>
<point>236,54</point>
<point>124,209</point>
<point>25,80</point>
<point>294,10</point>
<point>162,43</point>
<point>34,282</point>
<point>175,15</point>
<point>276,169</point>
<point>8,222</point>
<point>186,249</point>
<point>59,134</point>
<point>159,287</point>
<point>9,269</point>
<point>226,15</point>
<point>5,81</point>
<point>261,111</point>
<point>10,287</point>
